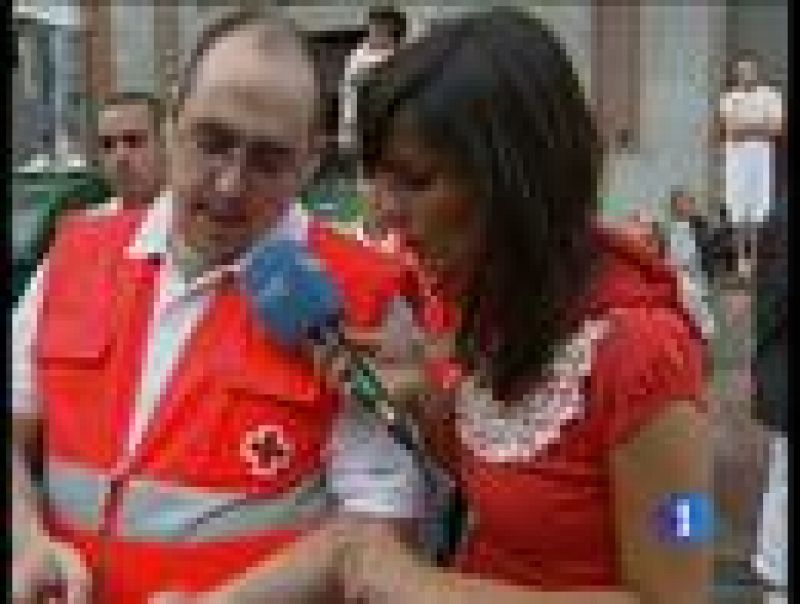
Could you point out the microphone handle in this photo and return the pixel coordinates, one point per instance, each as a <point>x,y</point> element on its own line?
<point>364,384</point>
<point>366,388</point>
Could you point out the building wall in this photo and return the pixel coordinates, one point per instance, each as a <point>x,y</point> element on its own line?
<point>133,28</point>
<point>681,44</point>
<point>764,28</point>
<point>681,50</point>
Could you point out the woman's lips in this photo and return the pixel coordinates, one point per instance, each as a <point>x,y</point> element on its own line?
<point>430,258</point>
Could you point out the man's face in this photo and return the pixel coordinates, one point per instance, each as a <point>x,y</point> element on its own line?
<point>243,145</point>
<point>130,150</point>
<point>683,206</point>
<point>380,36</point>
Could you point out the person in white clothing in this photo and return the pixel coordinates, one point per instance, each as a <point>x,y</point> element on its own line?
<point>685,253</point>
<point>751,117</point>
<point>387,30</point>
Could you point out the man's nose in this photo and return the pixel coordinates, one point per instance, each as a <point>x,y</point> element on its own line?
<point>229,178</point>
<point>120,157</point>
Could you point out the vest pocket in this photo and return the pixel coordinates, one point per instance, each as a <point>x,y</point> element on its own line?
<point>232,437</point>
<point>65,340</point>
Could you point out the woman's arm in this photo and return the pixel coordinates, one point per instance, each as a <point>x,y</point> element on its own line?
<point>668,456</point>
<point>379,568</point>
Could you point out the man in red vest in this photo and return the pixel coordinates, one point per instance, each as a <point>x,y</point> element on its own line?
<point>178,443</point>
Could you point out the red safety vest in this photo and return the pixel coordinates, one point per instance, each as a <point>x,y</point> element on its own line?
<point>231,467</point>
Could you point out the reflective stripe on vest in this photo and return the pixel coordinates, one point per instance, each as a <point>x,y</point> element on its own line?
<point>155,511</point>
<point>76,493</point>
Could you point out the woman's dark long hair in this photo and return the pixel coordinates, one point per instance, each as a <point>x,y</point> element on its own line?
<point>496,93</point>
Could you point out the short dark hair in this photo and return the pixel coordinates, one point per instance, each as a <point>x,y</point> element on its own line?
<point>496,94</point>
<point>394,20</point>
<point>745,54</point>
<point>740,56</point>
<point>677,193</point>
<point>228,24</point>
<point>154,104</point>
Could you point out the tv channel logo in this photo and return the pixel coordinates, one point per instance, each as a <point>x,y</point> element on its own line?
<point>685,518</point>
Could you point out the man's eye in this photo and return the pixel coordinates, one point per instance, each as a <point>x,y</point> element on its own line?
<point>214,142</point>
<point>107,143</point>
<point>268,157</point>
<point>134,141</point>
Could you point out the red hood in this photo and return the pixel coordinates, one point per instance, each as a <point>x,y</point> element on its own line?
<point>632,275</point>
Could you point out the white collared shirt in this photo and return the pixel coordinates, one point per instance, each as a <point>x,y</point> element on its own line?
<point>363,58</point>
<point>370,473</point>
<point>756,107</point>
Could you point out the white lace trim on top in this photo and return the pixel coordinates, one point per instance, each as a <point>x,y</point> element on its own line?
<point>500,435</point>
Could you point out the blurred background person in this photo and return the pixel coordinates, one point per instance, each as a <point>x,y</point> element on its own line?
<point>130,129</point>
<point>684,208</point>
<point>386,31</point>
<point>687,239</point>
<point>751,118</point>
<point>130,173</point>
<point>771,377</point>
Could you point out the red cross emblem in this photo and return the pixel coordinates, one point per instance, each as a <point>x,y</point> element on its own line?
<point>265,450</point>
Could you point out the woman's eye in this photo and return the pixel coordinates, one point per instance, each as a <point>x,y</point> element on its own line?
<point>415,183</point>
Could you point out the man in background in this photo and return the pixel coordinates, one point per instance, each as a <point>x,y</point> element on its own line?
<point>131,147</point>
<point>687,243</point>
<point>131,173</point>
<point>684,210</point>
<point>387,30</point>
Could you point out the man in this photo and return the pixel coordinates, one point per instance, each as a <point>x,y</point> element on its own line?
<point>386,30</point>
<point>684,210</point>
<point>750,120</point>
<point>686,239</point>
<point>132,165</point>
<point>182,443</point>
<point>132,147</point>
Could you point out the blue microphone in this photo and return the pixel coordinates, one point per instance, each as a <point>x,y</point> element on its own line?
<point>290,292</point>
<point>298,302</point>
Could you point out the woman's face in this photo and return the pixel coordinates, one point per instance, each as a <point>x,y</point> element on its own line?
<point>416,193</point>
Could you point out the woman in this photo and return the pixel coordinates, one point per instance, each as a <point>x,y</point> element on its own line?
<point>576,414</point>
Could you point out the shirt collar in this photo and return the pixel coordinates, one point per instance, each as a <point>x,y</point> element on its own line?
<point>153,237</point>
<point>154,234</point>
